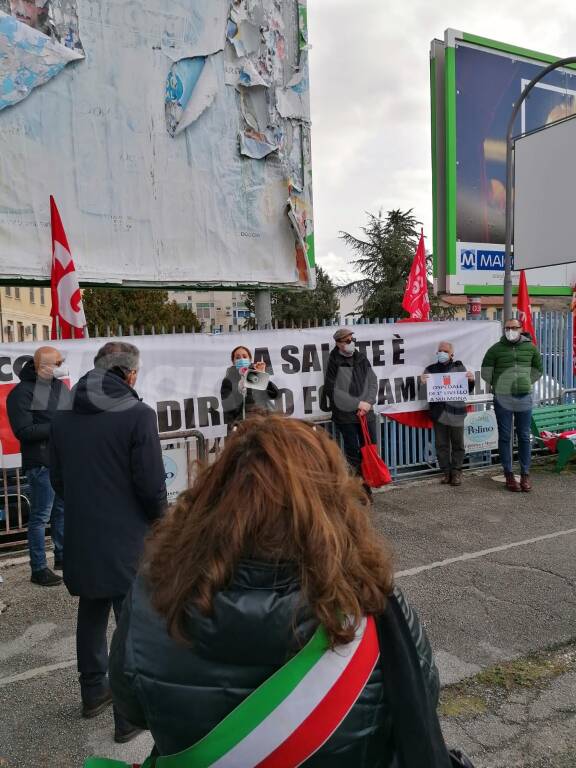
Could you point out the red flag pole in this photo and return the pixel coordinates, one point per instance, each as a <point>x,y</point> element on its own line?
<point>524,307</point>
<point>68,318</point>
<point>416,301</point>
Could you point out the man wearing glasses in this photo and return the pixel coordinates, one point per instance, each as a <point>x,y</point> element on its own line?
<point>350,389</point>
<point>31,407</point>
<point>510,368</point>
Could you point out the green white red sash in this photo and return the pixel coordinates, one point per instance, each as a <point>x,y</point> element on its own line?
<point>290,716</point>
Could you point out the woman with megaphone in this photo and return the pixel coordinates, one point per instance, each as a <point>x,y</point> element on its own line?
<point>246,387</point>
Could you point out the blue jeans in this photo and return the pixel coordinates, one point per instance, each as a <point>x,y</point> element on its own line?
<point>514,410</point>
<point>45,507</point>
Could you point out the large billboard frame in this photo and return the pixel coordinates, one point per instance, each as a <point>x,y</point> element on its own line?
<point>444,162</point>
<point>535,157</point>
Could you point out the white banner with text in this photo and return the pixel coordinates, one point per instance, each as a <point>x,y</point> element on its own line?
<point>181,374</point>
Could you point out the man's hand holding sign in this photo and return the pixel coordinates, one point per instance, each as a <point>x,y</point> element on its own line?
<point>448,385</point>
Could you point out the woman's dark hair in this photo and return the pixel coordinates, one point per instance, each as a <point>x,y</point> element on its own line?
<point>281,491</point>
<point>236,350</point>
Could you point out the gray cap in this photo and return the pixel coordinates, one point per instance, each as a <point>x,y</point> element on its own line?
<point>342,333</point>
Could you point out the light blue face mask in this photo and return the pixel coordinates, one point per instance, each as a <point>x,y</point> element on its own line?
<point>442,357</point>
<point>242,362</point>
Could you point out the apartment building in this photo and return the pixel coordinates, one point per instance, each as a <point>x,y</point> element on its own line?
<point>25,313</point>
<point>218,309</point>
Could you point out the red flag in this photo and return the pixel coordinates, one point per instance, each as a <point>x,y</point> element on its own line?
<point>524,308</point>
<point>416,301</point>
<point>67,310</point>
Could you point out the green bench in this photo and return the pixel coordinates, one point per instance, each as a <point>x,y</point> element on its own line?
<point>556,419</point>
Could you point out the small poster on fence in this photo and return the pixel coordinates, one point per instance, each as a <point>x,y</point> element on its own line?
<point>480,432</point>
<point>447,387</point>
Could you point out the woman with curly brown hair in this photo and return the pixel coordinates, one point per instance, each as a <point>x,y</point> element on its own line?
<point>251,636</point>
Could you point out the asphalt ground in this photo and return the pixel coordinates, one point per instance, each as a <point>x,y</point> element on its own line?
<point>491,574</point>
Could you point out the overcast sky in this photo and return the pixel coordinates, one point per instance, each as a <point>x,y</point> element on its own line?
<point>371,102</point>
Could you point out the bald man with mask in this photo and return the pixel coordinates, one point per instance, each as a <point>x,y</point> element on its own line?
<point>31,406</point>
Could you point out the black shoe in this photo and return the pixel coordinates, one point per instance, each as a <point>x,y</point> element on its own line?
<point>126,732</point>
<point>94,707</point>
<point>45,578</point>
<point>58,564</point>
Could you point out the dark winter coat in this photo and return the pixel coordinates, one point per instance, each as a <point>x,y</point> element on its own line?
<point>449,413</point>
<point>31,406</point>
<point>107,465</point>
<point>512,368</point>
<point>180,693</point>
<point>348,381</point>
<point>232,400</point>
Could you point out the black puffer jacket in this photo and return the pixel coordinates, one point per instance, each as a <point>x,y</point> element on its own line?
<point>107,465</point>
<point>31,406</point>
<point>180,693</point>
<point>348,381</point>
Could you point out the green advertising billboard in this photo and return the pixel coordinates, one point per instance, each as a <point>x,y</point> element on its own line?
<point>474,84</point>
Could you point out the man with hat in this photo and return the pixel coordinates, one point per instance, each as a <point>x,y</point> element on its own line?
<point>350,391</point>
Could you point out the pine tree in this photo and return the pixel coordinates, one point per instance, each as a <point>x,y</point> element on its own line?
<point>384,257</point>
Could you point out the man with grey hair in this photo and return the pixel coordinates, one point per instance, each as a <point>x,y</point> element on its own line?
<point>448,418</point>
<point>107,465</point>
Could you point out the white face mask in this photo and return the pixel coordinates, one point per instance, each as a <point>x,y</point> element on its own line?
<point>61,372</point>
<point>512,334</point>
<point>349,349</point>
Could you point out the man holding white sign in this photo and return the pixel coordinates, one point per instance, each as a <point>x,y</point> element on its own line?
<point>448,385</point>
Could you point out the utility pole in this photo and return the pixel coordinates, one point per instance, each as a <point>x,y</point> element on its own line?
<point>263,310</point>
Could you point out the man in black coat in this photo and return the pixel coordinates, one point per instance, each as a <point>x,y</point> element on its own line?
<point>448,418</point>
<point>350,391</point>
<point>31,406</point>
<point>107,464</point>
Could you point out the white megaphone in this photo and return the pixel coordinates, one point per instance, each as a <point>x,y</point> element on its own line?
<point>257,379</point>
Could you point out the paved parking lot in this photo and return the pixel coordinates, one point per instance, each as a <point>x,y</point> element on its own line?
<point>491,573</point>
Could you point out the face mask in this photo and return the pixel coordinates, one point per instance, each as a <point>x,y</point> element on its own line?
<point>512,334</point>
<point>443,357</point>
<point>349,349</point>
<point>243,362</point>
<point>61,372</point>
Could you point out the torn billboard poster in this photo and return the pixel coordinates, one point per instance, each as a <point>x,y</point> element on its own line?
<point>191,88</point>
<point>35,45</point>
<point>165,149</point>
<point>57,19</point>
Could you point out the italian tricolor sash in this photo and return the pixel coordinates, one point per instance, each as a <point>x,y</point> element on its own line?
<point>290,716</point>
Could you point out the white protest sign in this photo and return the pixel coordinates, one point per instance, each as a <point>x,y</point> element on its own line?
<point>447,387</point>
<point>480,431</point>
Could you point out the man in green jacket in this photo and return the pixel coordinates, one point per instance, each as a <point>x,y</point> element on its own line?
<point>510,368</point>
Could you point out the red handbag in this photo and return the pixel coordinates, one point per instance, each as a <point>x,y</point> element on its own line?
<point>374,470</point>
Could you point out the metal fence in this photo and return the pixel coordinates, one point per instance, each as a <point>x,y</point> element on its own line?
<point>409,452</point>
